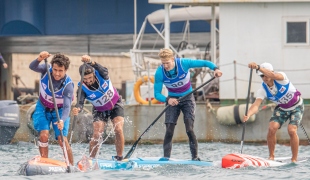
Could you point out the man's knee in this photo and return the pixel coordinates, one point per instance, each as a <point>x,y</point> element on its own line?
<point>97,135</point>
<point>43,144</point>
<point>292,130</point>
<point>169,130</point>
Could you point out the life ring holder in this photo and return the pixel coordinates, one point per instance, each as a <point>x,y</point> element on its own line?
<point>136,90</point>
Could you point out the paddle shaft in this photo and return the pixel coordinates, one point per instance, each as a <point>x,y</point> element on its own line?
<point>246,109</point>
<point>128,155</point>
<point>57,115</point>
<point>77,101</point>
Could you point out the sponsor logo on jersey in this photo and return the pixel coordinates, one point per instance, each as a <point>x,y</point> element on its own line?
<point>282,89</point>
<point>44,86</point>
<point>92,96</point>
<point>104,85</point>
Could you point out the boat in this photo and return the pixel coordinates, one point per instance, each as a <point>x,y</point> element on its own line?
<point>9,120</point>
<point>145,60</point>
<point>236,160</point>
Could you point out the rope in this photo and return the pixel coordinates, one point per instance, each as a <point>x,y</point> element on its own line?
<point>303,129</point>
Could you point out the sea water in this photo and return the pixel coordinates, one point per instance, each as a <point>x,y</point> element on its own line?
<point>13,155</point>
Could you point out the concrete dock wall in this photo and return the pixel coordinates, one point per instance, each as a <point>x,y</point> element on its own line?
<point>139,117</point>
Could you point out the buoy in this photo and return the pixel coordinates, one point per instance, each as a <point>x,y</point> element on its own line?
<point>136,90</point>
<point>232,115</point>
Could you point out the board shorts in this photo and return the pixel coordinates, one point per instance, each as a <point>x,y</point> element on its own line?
<point>187,106</point>
<point>118,110</point>
<point>44,117</point>
<point>295,116</point>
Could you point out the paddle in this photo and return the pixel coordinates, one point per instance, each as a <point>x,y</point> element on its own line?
<point>147,129</point>
<point>57,114</point>
<point>246,108</point>
<point>77,101</point>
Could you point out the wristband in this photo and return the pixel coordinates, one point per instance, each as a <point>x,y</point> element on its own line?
<point>258,67</point>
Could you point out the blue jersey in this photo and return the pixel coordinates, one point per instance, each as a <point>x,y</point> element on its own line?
<point>105,97</point>
<point>181,82</point>
<point>46,96</point>
<point>180,75</point>
<point>286,96</point>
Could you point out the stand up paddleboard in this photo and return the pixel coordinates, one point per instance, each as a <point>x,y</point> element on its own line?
<point>44,166</point>
<point>147,162</point>
<point>233,161</point>
<point>158,161</point>
<point>87,164</point>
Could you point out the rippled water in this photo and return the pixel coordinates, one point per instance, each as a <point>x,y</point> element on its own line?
<point>12,156</point>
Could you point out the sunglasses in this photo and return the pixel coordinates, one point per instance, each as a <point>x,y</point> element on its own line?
<point>262,76</point>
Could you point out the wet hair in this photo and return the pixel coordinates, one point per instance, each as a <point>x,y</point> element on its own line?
<point>88,69</point>
<point>61,60</point>
<point>165,54</point>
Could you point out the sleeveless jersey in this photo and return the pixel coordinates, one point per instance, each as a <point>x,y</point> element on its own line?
<point>181,82</point>
<point>46,96</point>
<point>105,97</point>
<point>287,95</point>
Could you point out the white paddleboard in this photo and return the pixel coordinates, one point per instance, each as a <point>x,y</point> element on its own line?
<point>236,160</point>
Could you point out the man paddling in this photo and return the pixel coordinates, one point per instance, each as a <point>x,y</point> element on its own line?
<point>45,113</point>
<point>174,74</point>
<point>277,88</point>
<point>107,104</point>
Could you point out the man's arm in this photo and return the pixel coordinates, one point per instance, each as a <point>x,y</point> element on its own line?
<point>35,64</point>
<point>103,71</point>
<point>37,67</point>
<point>158,85</point>
<point>253,109</point>
<point>267,72</point>
<point>68,93</point>
<point>193,63</point>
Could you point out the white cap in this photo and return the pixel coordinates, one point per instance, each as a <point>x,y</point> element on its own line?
<point>266,66</point>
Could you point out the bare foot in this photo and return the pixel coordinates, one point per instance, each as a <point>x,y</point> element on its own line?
<point>294,160</point>
<point>271,158</point>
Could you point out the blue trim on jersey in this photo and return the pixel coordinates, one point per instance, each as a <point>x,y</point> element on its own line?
<point>58,94</point>
<point>186,65</point>
<point>279,94</point>
<point>98,93</point>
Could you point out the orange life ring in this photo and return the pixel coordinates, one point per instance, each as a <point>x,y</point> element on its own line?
<point>136,90</point>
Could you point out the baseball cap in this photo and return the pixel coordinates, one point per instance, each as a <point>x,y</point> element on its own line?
<point>266,66</point>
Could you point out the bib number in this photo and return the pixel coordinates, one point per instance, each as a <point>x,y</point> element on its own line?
<point>286,98</point>
<point>178,84</point>
<point>106,97</point>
